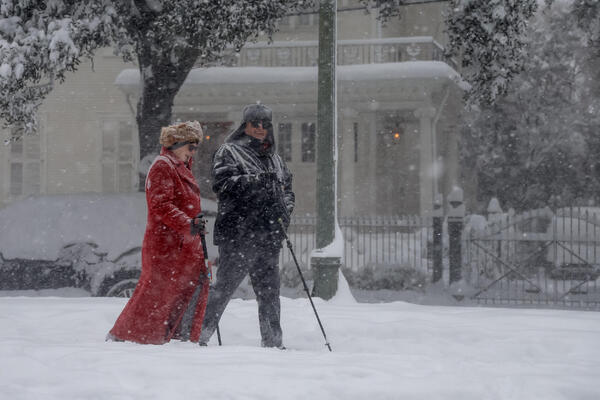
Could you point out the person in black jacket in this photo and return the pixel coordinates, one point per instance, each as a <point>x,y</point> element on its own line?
<point>255,200</point>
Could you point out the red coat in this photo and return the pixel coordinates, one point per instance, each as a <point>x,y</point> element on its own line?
<point>172,259</point>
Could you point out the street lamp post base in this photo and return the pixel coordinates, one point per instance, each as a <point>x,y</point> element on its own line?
<point>325,273</point>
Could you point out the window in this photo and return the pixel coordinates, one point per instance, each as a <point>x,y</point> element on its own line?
<point>108,143</point>
<point>284,141</point>
<point>108,177</point>
<point>25,166</point>
<point>118,157</point>
<point>308,142</point>
<point>32,177</point>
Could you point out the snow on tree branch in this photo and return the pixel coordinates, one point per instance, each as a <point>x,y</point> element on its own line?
<point>40,41</point>
<point>489,38</point>
<point>538,144</point>
<point>587,13</point>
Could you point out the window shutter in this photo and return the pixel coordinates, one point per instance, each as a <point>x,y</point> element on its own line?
<point>308,142</point>
<point>16,179</point>
<point>31,181</point>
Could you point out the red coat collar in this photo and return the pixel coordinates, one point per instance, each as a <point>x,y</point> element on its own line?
<point>171,156</point>
<point>184,170</point>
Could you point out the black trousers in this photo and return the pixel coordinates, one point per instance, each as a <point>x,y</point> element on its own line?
<point>262,264</point>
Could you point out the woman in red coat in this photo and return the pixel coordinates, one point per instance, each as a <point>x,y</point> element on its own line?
<point>173,266</point>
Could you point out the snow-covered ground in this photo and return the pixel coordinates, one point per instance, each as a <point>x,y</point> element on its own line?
<point>53,348</point>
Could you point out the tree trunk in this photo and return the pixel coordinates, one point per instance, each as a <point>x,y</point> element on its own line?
<point>161,77</point>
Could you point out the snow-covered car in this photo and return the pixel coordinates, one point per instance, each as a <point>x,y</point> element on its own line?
<point>88,241</point>
<point>79,265</point>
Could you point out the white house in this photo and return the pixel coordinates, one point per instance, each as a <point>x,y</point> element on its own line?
<point>398,102</point>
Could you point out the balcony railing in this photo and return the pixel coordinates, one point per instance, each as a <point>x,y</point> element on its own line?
<point>367,51</point>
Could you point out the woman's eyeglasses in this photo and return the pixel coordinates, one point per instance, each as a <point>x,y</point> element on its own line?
<point>192,146</point>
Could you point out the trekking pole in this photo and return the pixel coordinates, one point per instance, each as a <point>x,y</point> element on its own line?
<point>203,239</point>
<point>289,245</point>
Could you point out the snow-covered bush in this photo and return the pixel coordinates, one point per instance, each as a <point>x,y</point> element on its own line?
<point>386,276</point>
<point>289,274</point>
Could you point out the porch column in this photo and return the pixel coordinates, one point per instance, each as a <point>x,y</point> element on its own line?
<point>452,161</point>
<point>367,159</point>
<point>346,161</point>
<point>426,157</point>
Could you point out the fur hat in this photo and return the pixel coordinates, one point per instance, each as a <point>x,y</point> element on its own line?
<point>256,111</point>
<point>189,131</point>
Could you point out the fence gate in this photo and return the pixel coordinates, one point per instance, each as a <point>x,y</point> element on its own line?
<point>538,257</point>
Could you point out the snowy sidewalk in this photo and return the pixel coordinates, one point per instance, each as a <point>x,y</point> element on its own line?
<point>53,348</point>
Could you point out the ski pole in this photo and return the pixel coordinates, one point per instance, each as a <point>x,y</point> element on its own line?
<point>203,239</point>
<point>289,245</point>
<point>219,335</point>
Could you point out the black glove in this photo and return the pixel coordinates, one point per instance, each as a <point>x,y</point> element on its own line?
<point>267,179</point>
<point>279,206</point>
<point>197,225</point>
<point>284,215</point>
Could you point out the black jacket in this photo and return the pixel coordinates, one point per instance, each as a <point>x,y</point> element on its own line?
<point>249,209</point>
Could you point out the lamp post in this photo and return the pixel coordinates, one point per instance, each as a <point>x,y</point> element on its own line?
<point>325,264</point>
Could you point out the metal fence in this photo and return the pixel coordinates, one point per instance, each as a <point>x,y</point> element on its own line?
<point>403,241</point>
<point>538,257</point>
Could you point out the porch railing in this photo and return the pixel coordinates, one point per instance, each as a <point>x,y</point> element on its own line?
<point>366,51</point>
<point>350,52</point>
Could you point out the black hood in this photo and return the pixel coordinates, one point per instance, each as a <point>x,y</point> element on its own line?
<point>250,113</point>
